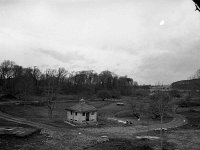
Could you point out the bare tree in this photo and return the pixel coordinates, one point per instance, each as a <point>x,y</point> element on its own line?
<point>197,74</point>
<point>137,110</point>
<point>160,106</point>
<point>51,90</point>
<point>62,73</point>
<point>6,69</point>
<point>6,72</point>
<point>25,83</point>
<point>36,73</point>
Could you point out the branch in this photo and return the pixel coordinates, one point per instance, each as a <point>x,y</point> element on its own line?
<point>197,4</point>
<point>197,8</point>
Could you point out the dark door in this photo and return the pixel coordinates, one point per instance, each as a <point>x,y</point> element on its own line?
<point>87,116</point>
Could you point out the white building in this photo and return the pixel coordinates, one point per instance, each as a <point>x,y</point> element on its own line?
<point>82,113</point>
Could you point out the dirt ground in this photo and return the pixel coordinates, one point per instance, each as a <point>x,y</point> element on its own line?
<point>67,137</point>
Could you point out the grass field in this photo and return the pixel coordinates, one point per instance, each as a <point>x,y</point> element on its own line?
<point>40,113</point>
<point>106,109</point>
<point>193,118</point>
<point>6,123</point>
<point>181,138</point>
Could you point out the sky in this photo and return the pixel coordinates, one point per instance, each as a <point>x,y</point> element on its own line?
<point>150,41</point>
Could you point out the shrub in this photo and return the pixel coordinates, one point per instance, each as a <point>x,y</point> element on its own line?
<point>124,113</point>
<point>175,93</point>
<point>141,92</point>
<point>188,98</point>
<point>104,94</point>
<point>188,104</point>
<point>116,94</point>
<point>159,104</point>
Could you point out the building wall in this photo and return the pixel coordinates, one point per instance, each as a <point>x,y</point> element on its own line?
<point>93,117</point>
<point>79,118</point>
<point>69,116</point>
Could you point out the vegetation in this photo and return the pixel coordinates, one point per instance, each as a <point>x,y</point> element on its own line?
<point>159,104</point>
<point>159,107</point>
<point>51,85</point>
<point>116,144</point>
<point>16,80</point>
<point>137,110</point>
<point>192,84</point>
<point>104,94</point>
<point>175,93</point>
<point>187,104</point>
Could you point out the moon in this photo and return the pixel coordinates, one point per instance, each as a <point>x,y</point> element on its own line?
<point>162,22</point>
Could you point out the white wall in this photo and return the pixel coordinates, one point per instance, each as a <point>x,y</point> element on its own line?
<point>80,118</point>
<point>69,116</point>
<point>93,117</point>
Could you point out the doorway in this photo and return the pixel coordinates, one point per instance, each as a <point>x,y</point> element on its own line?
<point>87,116</point>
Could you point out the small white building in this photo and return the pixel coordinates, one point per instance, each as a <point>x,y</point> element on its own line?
<point>82,113</point>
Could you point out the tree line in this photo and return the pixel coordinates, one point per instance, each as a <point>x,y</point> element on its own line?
<point>193,83</point>
<point>15,79</point>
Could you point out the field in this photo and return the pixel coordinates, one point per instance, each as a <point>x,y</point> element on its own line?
<point>106,109</point>
<point>89,138</point>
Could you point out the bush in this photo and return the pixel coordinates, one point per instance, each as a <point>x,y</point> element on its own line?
<point>175,93</point>
<point>141,92</point>
<point>124,113</point>
<point>159,104</point>
<point>187,98</point>
<point>188,104</point>
<point>104,94</point>
<point>116,94</point>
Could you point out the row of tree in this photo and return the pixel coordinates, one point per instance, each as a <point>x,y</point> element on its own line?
<point>15,79</point>
<point>192,84</point>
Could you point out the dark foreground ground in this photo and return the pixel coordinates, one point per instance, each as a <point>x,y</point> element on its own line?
<point>34,142</point>
<point>10,142</point>
<point>124,144</point>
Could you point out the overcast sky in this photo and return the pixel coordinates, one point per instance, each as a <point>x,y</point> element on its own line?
<point>149,40</point>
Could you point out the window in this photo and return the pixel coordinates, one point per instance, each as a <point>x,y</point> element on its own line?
<point>71,112</point>
<point>83,114</point>
<point>92,113</point>
<point>76,113</point>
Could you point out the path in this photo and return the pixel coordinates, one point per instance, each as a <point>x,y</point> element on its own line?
<point>177,121</point>
<point>24,121</point>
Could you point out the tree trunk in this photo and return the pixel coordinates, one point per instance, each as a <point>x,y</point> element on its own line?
<point>50,112</point>
<point>161,130</point>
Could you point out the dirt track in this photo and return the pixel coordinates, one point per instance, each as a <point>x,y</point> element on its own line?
<point>177,121</point>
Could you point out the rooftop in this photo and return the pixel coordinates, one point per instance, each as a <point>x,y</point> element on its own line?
<point>82,107</point>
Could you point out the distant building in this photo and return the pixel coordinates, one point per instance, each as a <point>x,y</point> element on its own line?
<point>163,88</point>
<point>82,113</point>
